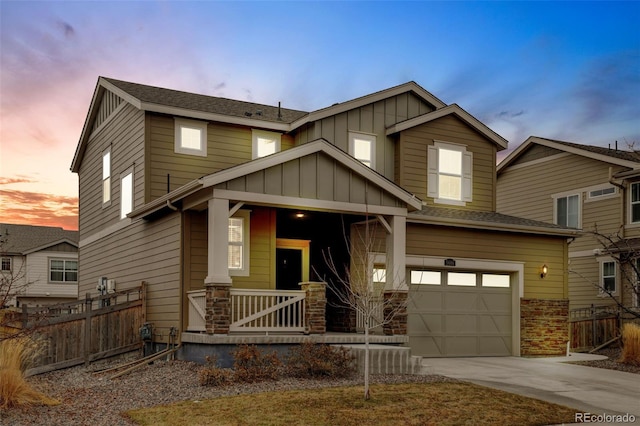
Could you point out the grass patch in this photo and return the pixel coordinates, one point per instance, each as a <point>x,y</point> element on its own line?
<point>407,404</point>
<point>631,344</point>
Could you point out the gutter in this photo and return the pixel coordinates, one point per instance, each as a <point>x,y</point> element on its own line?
<point>166,200</point>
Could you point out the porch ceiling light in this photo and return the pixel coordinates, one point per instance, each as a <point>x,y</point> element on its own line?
<point>299,215</point>
<point>543,271</point>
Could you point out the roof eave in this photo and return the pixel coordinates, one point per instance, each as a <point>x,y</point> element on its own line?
<point>167,199</point>
<point>50,244</point>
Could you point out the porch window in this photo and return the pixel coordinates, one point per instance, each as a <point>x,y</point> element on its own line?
<point>238,258</point>
<point>265,143</point>
<point>190,137</point>
<point>450,168</point>
<point>362,147</point>
<point>6,264</point>
<point>63,270</point>
<point>635,202</point>
<point>608,281</point>
<point>106,177</point>
<point>567,211</point>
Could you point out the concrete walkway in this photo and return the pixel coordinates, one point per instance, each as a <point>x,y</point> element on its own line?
<point>593,390</point>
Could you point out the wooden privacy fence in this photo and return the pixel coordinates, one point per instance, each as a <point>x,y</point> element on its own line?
<point>86,330</point>
<point>593,326</point>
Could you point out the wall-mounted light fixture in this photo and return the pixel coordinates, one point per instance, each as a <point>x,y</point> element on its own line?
<point>543,271</point>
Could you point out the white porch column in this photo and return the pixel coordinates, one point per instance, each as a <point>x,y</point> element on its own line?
<point>396,254</point>
<point>218,242</point>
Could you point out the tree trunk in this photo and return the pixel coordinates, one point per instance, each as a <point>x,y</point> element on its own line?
<point>366,359</point>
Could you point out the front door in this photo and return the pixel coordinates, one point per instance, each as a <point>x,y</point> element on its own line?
<point>288,269</point>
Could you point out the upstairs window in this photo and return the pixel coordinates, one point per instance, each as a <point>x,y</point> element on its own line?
<point>608,281</point>
<point>6,264</point>
<point>126,193</point>
<point>106,176</point>
<point>190,137</point>
<point>450,168</point>
<point>362,147</point>
<point>634,199</point>
<point>265,143</point>
<point>602,192</point>
<point>63,270</point>
<point>567,211</point>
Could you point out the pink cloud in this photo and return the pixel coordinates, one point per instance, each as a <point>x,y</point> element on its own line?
<point>35,208</point>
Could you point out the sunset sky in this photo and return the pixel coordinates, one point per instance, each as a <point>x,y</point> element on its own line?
<point>568,70</point>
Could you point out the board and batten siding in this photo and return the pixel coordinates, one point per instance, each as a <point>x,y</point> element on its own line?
<point>374,119</point>
<point>533,250</point>
<point>412,152</point>
<point>124,134</point>
<point>142,251</point>
<point>227,146</point>
<point>37,274</point>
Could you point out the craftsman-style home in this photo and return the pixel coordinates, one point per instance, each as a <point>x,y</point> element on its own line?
<point>596,189</point>
<point>227,210</point>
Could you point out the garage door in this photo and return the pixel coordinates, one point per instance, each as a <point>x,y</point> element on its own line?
<point>459,313</point>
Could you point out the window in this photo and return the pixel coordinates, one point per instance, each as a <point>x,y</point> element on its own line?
<point>379,275</point>
<point>608,280</point>
<point>363,147</point>
<point>238,256</point>
<point>62,270</point>
<point>6,264</point>
<point>567,211</point>
<point>464,279</point>
<point>190,137</point>
<point>126,193</point>
<point>265,143</point>
<point>603,192</point>
<point>449,179</point>
<point>635,202</point>
<point>496,280</point>
<point>426,277</point>
<point>106,176</point>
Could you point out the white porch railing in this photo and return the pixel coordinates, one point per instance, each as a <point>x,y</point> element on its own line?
<point>376,307</point>
<point>267,310</point>
<point>254,310</point>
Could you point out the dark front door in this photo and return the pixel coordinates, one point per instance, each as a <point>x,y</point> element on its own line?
<point>288,268</point>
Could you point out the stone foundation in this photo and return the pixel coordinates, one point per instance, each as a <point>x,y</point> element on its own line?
<point>544,327</point>
<point>396,305</point>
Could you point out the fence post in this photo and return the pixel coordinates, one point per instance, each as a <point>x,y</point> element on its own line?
<point>88,302</point>
<point>25,316</point>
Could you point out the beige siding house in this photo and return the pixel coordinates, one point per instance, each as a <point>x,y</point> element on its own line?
<point>40,262</point>
<point>591,188</point>
<point>226,209</point>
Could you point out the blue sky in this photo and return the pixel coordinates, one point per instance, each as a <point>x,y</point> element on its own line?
<point>565,70</point>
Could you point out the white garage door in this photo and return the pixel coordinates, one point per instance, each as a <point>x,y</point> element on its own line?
<point>459,313</point>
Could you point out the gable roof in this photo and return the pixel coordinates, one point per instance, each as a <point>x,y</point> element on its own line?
<point>629,159</point>
<point>244,169</point>
<point>488,220</point>
<point>25,239</point>
<point>456,110</point>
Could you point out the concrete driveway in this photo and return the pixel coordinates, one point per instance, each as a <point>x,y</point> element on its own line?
<point>593,390</point>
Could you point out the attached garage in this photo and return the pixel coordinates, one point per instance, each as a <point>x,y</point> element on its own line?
<point>463,311</point>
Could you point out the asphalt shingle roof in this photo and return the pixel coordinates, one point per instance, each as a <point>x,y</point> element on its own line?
<point>209,104</point>
<point>23,238</point>
<point>611,152</point>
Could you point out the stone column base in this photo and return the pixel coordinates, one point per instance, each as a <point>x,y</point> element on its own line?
<point>395,312</point>
<point>218,308</point>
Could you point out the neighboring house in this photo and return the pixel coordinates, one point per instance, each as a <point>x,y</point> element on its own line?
<point>592,188</point>
<point>41,261</point>
<point>222,205</point>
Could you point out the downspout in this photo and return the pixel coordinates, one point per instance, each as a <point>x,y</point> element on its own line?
<point>171,206</point>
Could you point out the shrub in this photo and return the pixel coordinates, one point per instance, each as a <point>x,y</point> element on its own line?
<point>16,355</point>
<point>212,375</point>
<point>314,360</point>
<point>630,344</point>
<point>251,365</point>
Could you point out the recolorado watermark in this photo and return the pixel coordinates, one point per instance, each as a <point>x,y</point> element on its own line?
<point>604,418</point>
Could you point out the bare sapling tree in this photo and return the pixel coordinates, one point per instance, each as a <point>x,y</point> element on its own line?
<point>360,287</point>
<point>13,283</point>
<point>626,253</point>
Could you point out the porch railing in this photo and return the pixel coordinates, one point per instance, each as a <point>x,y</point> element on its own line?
<point>254,310</point>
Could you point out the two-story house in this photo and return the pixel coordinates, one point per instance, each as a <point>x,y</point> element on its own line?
<point>223,206</point>
<point>596,189</point>
<point>39,265</point>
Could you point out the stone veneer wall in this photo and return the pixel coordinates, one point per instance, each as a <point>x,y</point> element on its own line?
<point>544,327</point>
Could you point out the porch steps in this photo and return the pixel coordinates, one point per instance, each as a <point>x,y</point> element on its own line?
<point>387,359</point>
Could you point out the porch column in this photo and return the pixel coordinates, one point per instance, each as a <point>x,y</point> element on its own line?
<point>396,286</point>
<point>218,281</point>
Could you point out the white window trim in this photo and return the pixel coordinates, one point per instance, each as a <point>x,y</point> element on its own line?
<point>556,197</point>
<point>602,261</point>
<point>123,175</point>
<point>630,205</point>
<point>106,203</point>
<point>592,198</point>
<point>65,260</point>
<point>246,246</point>
<point>192,124</point>
<point>372,138</point>
<point>433,173</point>
<point>264,134</point>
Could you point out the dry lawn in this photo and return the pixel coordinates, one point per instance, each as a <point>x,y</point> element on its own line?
<point>631,344</point>
<point>390,404</point>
